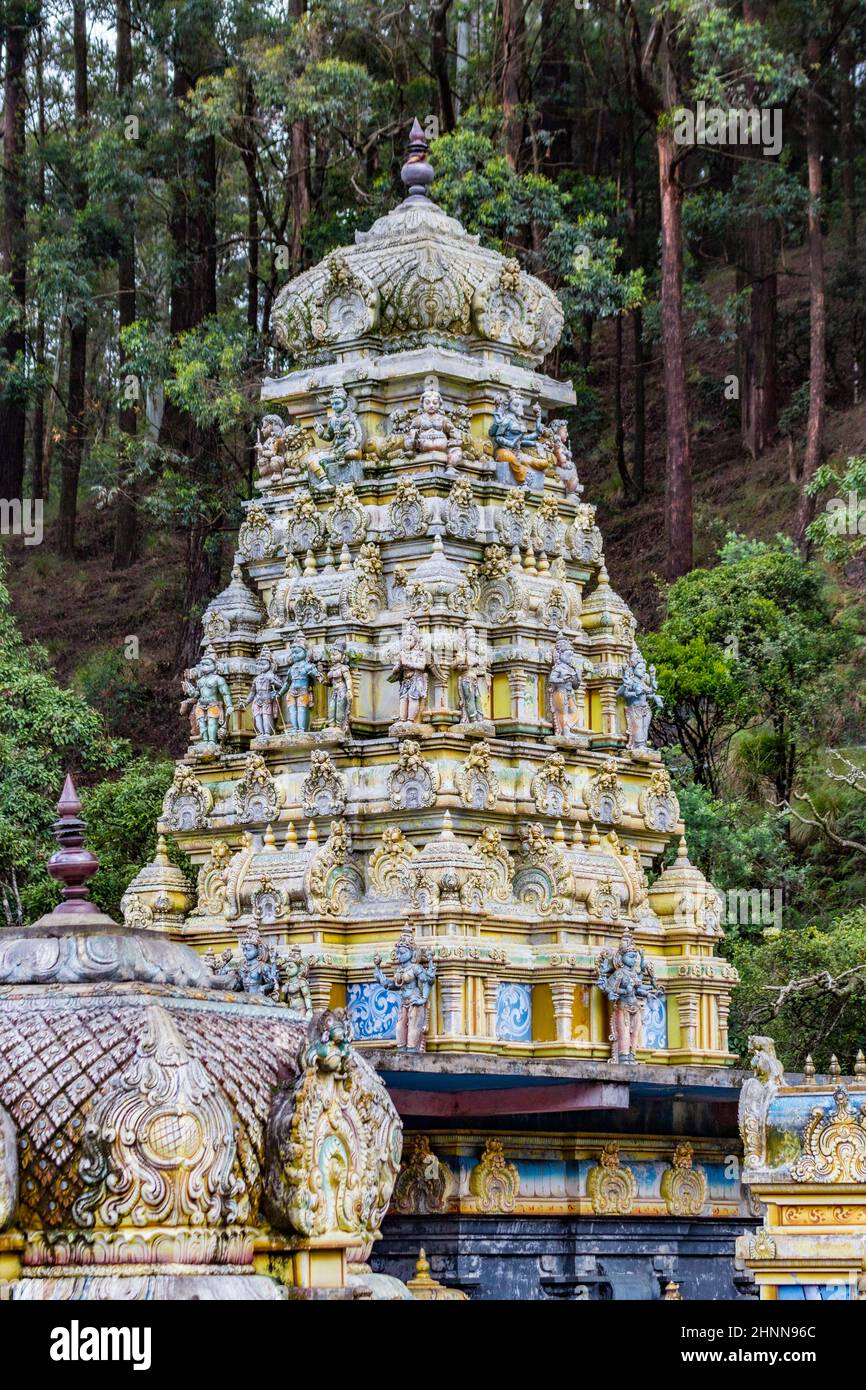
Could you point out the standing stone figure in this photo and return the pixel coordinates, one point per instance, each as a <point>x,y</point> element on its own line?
<point>264,694</point>
<point>411,671</point>
<point>339,680</point>
<point>270,448</point>
<point>342,428</point>
<point>432,432</point>
<point>413,973</point>
<point>302,674</point>
<point>472,675</point>
<point>628,981</point>
<point>565,684</point>
<point>213,700</point>
<point>189,703</point>
<point>512,435</point>
<point>294,989</point>
<point>563,462</point>
<point>639,689</point>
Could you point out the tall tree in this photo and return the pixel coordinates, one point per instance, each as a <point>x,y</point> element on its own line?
<point>817,299</point>
<point>13,252</point>
<point>127,537</point>
<point>513,77</point>
<point>76,399</point>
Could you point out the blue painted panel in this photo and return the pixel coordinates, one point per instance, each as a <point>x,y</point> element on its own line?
<point>373,1011</point>
<point>813,1293</point>
<point>514,1013</point>
<point>655,1028</point>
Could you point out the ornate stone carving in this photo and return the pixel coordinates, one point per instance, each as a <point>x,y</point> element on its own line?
<point>565,684</point>
<point>658,804</point>
<point>264,694</point>
<point>476,780</point>
<point>494,1181</point>
<point>187,804</point>
<point>603,795</point>
<point>257,797</point>
<point>424,1181</point>
<point>834,1145</point>
<point>323,792</point>
<point>612,1187</point>
<point>414,783</point>
<point>684,1187</point>
<point>256,536</point>
<point>462,515</point>
<point>306,608</point>
<point>514,520</point>
<point>333,1143</point>
<point>211,701</point>
<point>639,690</point>
<point>603,901</point>
<point>755,1097</point>
<point>551,789</point>
<point>346,520</point>
<point>547,528</point>
<point>8,1169</point>
<point>409,513</point>
<point>334,881</point>
<point>294,985</point>
<point>499,866</point>
<point>543,880</point>
<point>341,427</point>
<point>159,1145</point>
<point>365,595</point>
<point>626,977</point>
<point>390,861</point>
<point>413,972</point>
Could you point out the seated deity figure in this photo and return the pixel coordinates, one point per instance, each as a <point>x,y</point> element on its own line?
<point>254,973</point>
<point>472,677</point>
<point>270,448</point>
<point>432,434</point>
<point>411,671</point>
<point>518,447</point>
<point>342,428</point>
<point>303,673</point>
<point>413,973</point>
<point>628,981</point>
<point>639,690</point>
<point>563,462</point>
<point>565,684</point>
<point>264,694</point>
<point>283,455</point>
<point>212,700</point>
<point>338,676</point>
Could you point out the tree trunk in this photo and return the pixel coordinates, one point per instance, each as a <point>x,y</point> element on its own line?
<point>439,62</point>
<point>13,251</point>
<point>127,531</point>
<point>638,468</point>
<point>38,440</point>
<point>848,145</point>
<point>513,78</point>
<point>678,489</point>
<point>76,397</point>
<point>817,304</point>
<point>758,396</point>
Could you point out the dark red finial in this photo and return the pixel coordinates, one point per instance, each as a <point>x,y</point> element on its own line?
<point>417,173</point>
<point>71,864</point>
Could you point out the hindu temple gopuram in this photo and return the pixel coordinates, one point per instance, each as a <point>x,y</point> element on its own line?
<point>432,965</point>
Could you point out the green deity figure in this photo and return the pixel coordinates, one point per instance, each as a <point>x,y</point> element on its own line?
<point>213,700</point>
<point>303,673</point>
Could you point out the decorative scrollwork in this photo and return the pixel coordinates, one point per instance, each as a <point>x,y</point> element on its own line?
<point>187,803</point>
<point>834,1145</point>
<point>494,1181</point>
<point>683,1187</point>
<point>323,792</point>
<point>612,1187</point>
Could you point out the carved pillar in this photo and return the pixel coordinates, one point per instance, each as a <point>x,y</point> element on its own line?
<point>563,1008</point>
<point>723,1005</point>
<point>608,709</point>
<point>491,1000</point>
<point>320,988</point>
<point>689,1004</point>
<point>451,986</point>
<point>517,688</point>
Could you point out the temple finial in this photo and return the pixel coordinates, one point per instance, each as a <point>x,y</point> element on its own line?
<point>417,172</point>
<point>72,865</point>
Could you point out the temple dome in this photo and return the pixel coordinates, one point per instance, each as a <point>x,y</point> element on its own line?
<point>417,277</point>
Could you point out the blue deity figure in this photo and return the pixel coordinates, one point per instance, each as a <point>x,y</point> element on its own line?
<point>302,674</point>
<point>628,981</point>
<point>413,973</point>
<point>512,435</point>
<point>639,690</point>
<point>255,973</point>
<point>342,428</point>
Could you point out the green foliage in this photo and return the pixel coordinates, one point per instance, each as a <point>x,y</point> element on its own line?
<point>813,1019</point>
<point>840,530</point>
<point>121,818</point>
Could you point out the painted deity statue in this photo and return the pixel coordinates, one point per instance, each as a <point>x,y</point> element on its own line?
<point>212,700</point>
<point>639,689</point>
<point>188,704</point>
<point>294,989</point>
<point>254,973</point>
<point>411,671</point>
<point>413,973</point>
<point>282,453</point>
<point>563,462</point>
<point>338,675</point>
<point>517,445</point>
<point>628,981</point>
<point>472,677</point>
<point>303,673</point>
<point>270,448</point>
<point>565,684</point>
<point>342,428</point>
<point>432,432</point>
<point>264,694</point>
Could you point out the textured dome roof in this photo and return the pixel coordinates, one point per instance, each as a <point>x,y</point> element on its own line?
<point>417,277</point>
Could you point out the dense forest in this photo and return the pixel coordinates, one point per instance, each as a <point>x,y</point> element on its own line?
<point>166,167</point>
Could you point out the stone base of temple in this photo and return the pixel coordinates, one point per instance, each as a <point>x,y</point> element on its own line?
<point>568,1258</point>
<point>480,728</point>
<point>407,728</point>
<point>289,741</point>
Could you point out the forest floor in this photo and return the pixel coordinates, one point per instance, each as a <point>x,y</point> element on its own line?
<point>84,613</point>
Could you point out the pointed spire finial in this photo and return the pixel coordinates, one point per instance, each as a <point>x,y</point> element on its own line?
<point>417,173</point>
<point>72,865</point>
